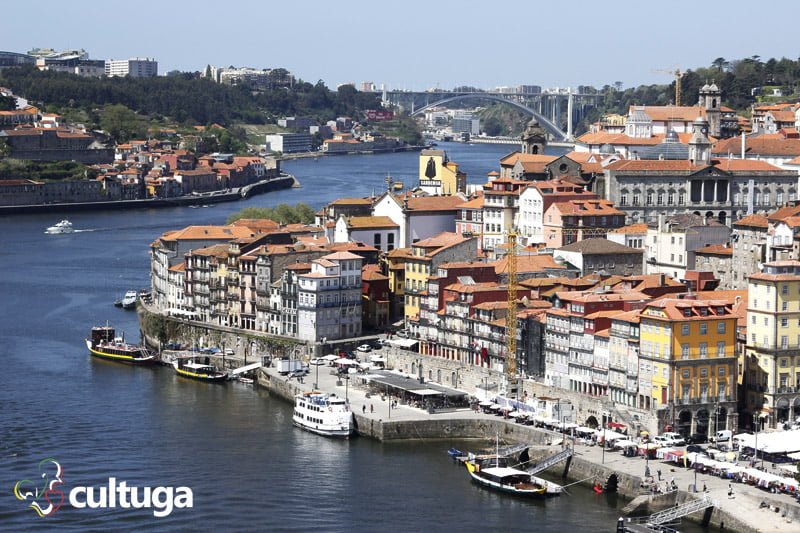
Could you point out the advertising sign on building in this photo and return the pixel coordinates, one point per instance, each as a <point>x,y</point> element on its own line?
<point>380,116</point>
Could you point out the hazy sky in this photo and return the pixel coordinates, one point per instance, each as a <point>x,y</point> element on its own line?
<point>414,44</point>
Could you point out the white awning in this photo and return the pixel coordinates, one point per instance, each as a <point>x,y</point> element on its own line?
<point>425,392</point>
<point>345,361</point>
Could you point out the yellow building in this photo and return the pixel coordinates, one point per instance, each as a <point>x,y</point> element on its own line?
<point>438,175</point>
<point>772,361</point>
<point>426,256</point>
<point>687,364</point>
<point>396,267</point>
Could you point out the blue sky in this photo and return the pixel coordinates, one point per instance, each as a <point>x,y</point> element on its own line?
<point>413,44</point>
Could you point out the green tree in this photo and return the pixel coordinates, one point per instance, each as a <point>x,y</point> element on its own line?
<point>122,123</point>
<point>283,214</point>
<point>7,103</point>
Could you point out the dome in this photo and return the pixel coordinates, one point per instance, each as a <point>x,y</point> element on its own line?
<point>639,116</point>
<point>700,121</point>
<point>607,149</point>
<point>671,137</point>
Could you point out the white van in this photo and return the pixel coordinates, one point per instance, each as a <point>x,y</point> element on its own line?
<point>723,436</point>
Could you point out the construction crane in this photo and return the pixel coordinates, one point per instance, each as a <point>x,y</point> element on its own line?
<point>678,75</point>
<point>511,316</point>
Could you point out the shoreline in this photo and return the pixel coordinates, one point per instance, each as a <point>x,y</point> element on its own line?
<point>285,181</point>
<point>309,155</point>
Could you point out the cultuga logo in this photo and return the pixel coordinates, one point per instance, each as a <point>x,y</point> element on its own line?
<point>47,497</point>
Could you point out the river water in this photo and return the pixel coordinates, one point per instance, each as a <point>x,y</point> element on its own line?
<point>248,468</point>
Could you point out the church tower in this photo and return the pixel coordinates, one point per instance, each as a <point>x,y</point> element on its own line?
<point>710,101</point>
<point>533,138</point>
<point>699,144</point>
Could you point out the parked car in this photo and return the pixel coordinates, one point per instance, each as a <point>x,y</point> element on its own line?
<point>697,438</point>
<point>364,348</point>
<point>669,439</point>
<point>402,333</point>
<point>317,361</point>
<point>694,448</point>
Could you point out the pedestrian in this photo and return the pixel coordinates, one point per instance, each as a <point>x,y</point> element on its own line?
<point>659,474</point>
<point>704,487</point>
<point>363,409</point>
<point>730,491</point>
<point>371,408</point>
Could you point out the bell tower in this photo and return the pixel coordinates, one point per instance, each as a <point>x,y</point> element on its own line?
<point>699,144</point>
<point>710,101</point>
<point>533,138</point>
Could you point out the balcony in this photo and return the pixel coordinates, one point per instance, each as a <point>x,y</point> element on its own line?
<point>774,348</point>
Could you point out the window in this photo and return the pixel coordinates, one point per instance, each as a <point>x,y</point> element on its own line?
<point>753,319</point>
<point>684,351</point>
<point>720,349</point>
<point>784,289</point>
<point>681,199</point>
<point>623,199</point>
<point>703,350</point>
<point>660,198</point>
<point>721,371</point>
<point>635,199</point>
<point>703,328</point>
<point>377,240</point>
<point>703,372</point>
<point>784,322</point>
<point>684,329</point>
<point>649,198</point>
<point>672,240</point>
<point>670,199</point>
<point>784,342</point>
<point>785,306</point>
<point>685,373</point>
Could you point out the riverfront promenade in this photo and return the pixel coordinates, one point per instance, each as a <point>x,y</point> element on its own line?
<point>742,512</point>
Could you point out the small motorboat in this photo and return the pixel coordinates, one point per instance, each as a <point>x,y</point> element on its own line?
<point>129,300</point>
<point>65,226</point>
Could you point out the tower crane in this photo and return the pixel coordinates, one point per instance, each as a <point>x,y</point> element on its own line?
<point>678,75</point>
<point>511,316</point>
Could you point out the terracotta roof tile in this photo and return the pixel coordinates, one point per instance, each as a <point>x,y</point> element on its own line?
<point>753,221</point>
<point>632,228</point>
<point>716,249</point>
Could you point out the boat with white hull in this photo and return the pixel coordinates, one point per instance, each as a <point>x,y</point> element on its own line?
<point>323,414</point>
<point>65,226</point>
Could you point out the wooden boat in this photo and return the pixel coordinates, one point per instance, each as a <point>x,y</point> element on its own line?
<point>323,414</point>
<point>104,344</point>
<point>493,472</point>
<point>199,369</point>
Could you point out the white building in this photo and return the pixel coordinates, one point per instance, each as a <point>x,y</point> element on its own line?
<point>381,232</point>
<point>419,217</point>
<point>329,298</point>
<point>135,67</point>
<point>536,198</point>
<point>671,244</point>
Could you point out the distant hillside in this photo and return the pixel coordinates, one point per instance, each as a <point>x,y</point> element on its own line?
<point>186,97</point>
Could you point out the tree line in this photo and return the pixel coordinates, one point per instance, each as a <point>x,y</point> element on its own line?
<point>187,97</point>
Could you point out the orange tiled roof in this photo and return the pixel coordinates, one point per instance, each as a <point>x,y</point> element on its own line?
<point>631,228</point>
<point>783,213</point>
<point>208,232</point>
<point>587,207</point>
<point>774,144</point>
<point>716,249</point>
<point>375,222</point>
<point>753,221</point>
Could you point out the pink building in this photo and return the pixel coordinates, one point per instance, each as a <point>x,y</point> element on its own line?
<point>568,222</point>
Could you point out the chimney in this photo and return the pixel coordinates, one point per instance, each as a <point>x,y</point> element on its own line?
<point>662,278</point>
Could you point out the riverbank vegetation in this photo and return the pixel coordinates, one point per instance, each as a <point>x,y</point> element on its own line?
<point>44,170</point>
<point>282,214</point>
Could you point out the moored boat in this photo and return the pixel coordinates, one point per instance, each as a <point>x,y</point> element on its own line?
<point>323,414</point>
<point>65,226</point>
<point>198,369</point>
<point>104,344</point>
<point>129,300</point>
<point>493,471</point>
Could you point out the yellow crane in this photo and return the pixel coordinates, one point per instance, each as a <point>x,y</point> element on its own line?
<point>678,75</point>
<point>511,316</point>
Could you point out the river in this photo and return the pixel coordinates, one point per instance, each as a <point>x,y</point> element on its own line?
<point>248,468</point>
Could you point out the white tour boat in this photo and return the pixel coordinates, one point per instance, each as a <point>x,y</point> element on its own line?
<point>65,226</point>
<point>129,300</point>
<point>324,414</point>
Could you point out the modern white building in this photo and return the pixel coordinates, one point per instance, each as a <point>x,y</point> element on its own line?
<point>287,143</point>
<point>135,67</point>
<point>329,298</point>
